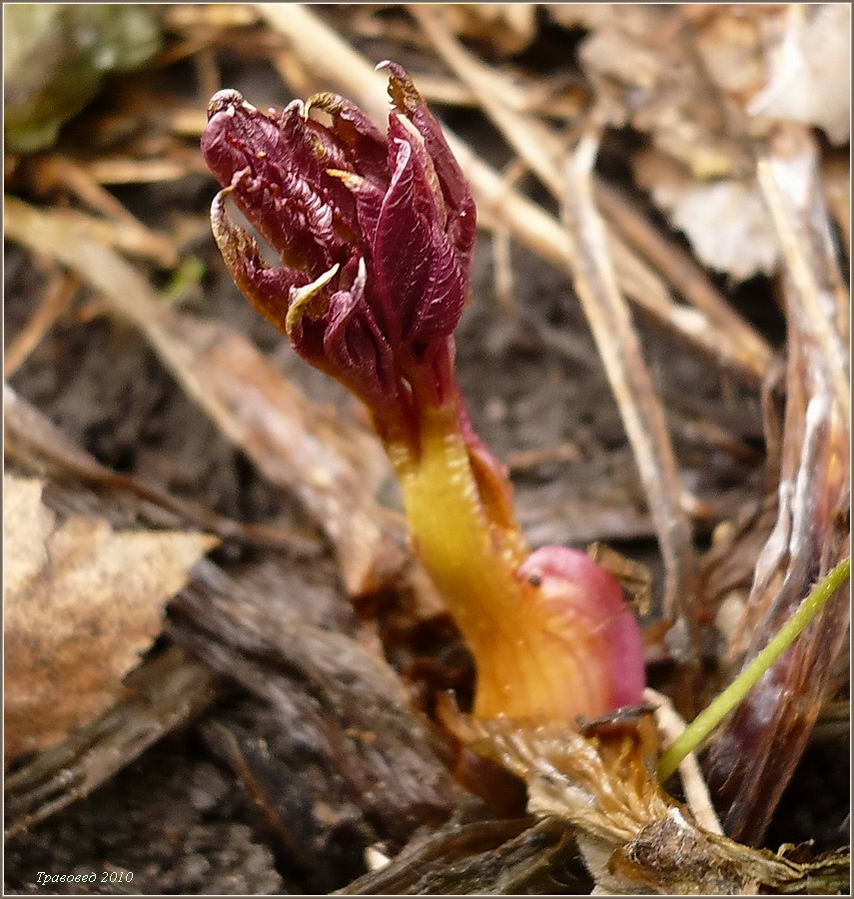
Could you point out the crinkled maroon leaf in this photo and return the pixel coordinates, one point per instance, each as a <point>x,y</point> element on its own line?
<point>402,245</point>
<point>455,187</point>
<point>353,343</point>
<point>368,199</point>
<point>364,145</point>
<point>275,180</point>
<point>337,198</point>
<point>266,288</point>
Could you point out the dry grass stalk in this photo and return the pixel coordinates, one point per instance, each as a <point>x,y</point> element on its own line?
<point>57,170</point>
<point>670,725</point>
<point>620,350</point>
<point>55,300</point>
<point>117,170</point>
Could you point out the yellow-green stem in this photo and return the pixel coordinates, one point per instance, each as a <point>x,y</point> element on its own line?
<point>473,562</point>
<point>696,733</point>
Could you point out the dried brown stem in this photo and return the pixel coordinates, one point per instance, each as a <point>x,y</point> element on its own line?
<point>54,301</point>
<point>619,347</point>
<point>670,725</point>
<point>64,171</point>
<point>757,750</point>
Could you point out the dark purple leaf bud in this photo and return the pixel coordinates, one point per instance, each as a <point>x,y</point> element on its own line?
<point>373,234</point>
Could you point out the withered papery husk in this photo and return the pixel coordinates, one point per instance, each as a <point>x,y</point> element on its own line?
<point>634,837</point>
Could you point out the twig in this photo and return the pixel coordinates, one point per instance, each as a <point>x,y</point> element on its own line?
<point>671,724</point>
<point>620,350</point>
<point>55,299</point>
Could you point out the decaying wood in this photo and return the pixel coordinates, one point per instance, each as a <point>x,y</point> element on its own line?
<point>343,739</point>
<point>167,692</point>
<point>492,858</point>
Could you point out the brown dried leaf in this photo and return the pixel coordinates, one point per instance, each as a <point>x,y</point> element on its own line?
<point>704,82</point>
<point>755,753</point>
<point>726,219</point>
<point>807,81</point>
<point>634,837</point>
<point>82,602</point>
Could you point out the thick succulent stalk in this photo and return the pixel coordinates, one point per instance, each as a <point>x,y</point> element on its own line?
<point>542,650</point>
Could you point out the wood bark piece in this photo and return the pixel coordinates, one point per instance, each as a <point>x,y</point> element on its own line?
<point>345,734</point>
<point>488,858</point>
<point>167,691</point>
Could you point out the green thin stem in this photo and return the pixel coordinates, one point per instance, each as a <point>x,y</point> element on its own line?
<point>695,734</point>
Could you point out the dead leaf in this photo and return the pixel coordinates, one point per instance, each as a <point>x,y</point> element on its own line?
<point>725,219</point>
<point>807,81</point>
<point>755,752</point>
<point>634,837</point>
<point>81,603</point>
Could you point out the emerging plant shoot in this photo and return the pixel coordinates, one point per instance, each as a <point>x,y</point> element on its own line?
<point>374,235</point>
